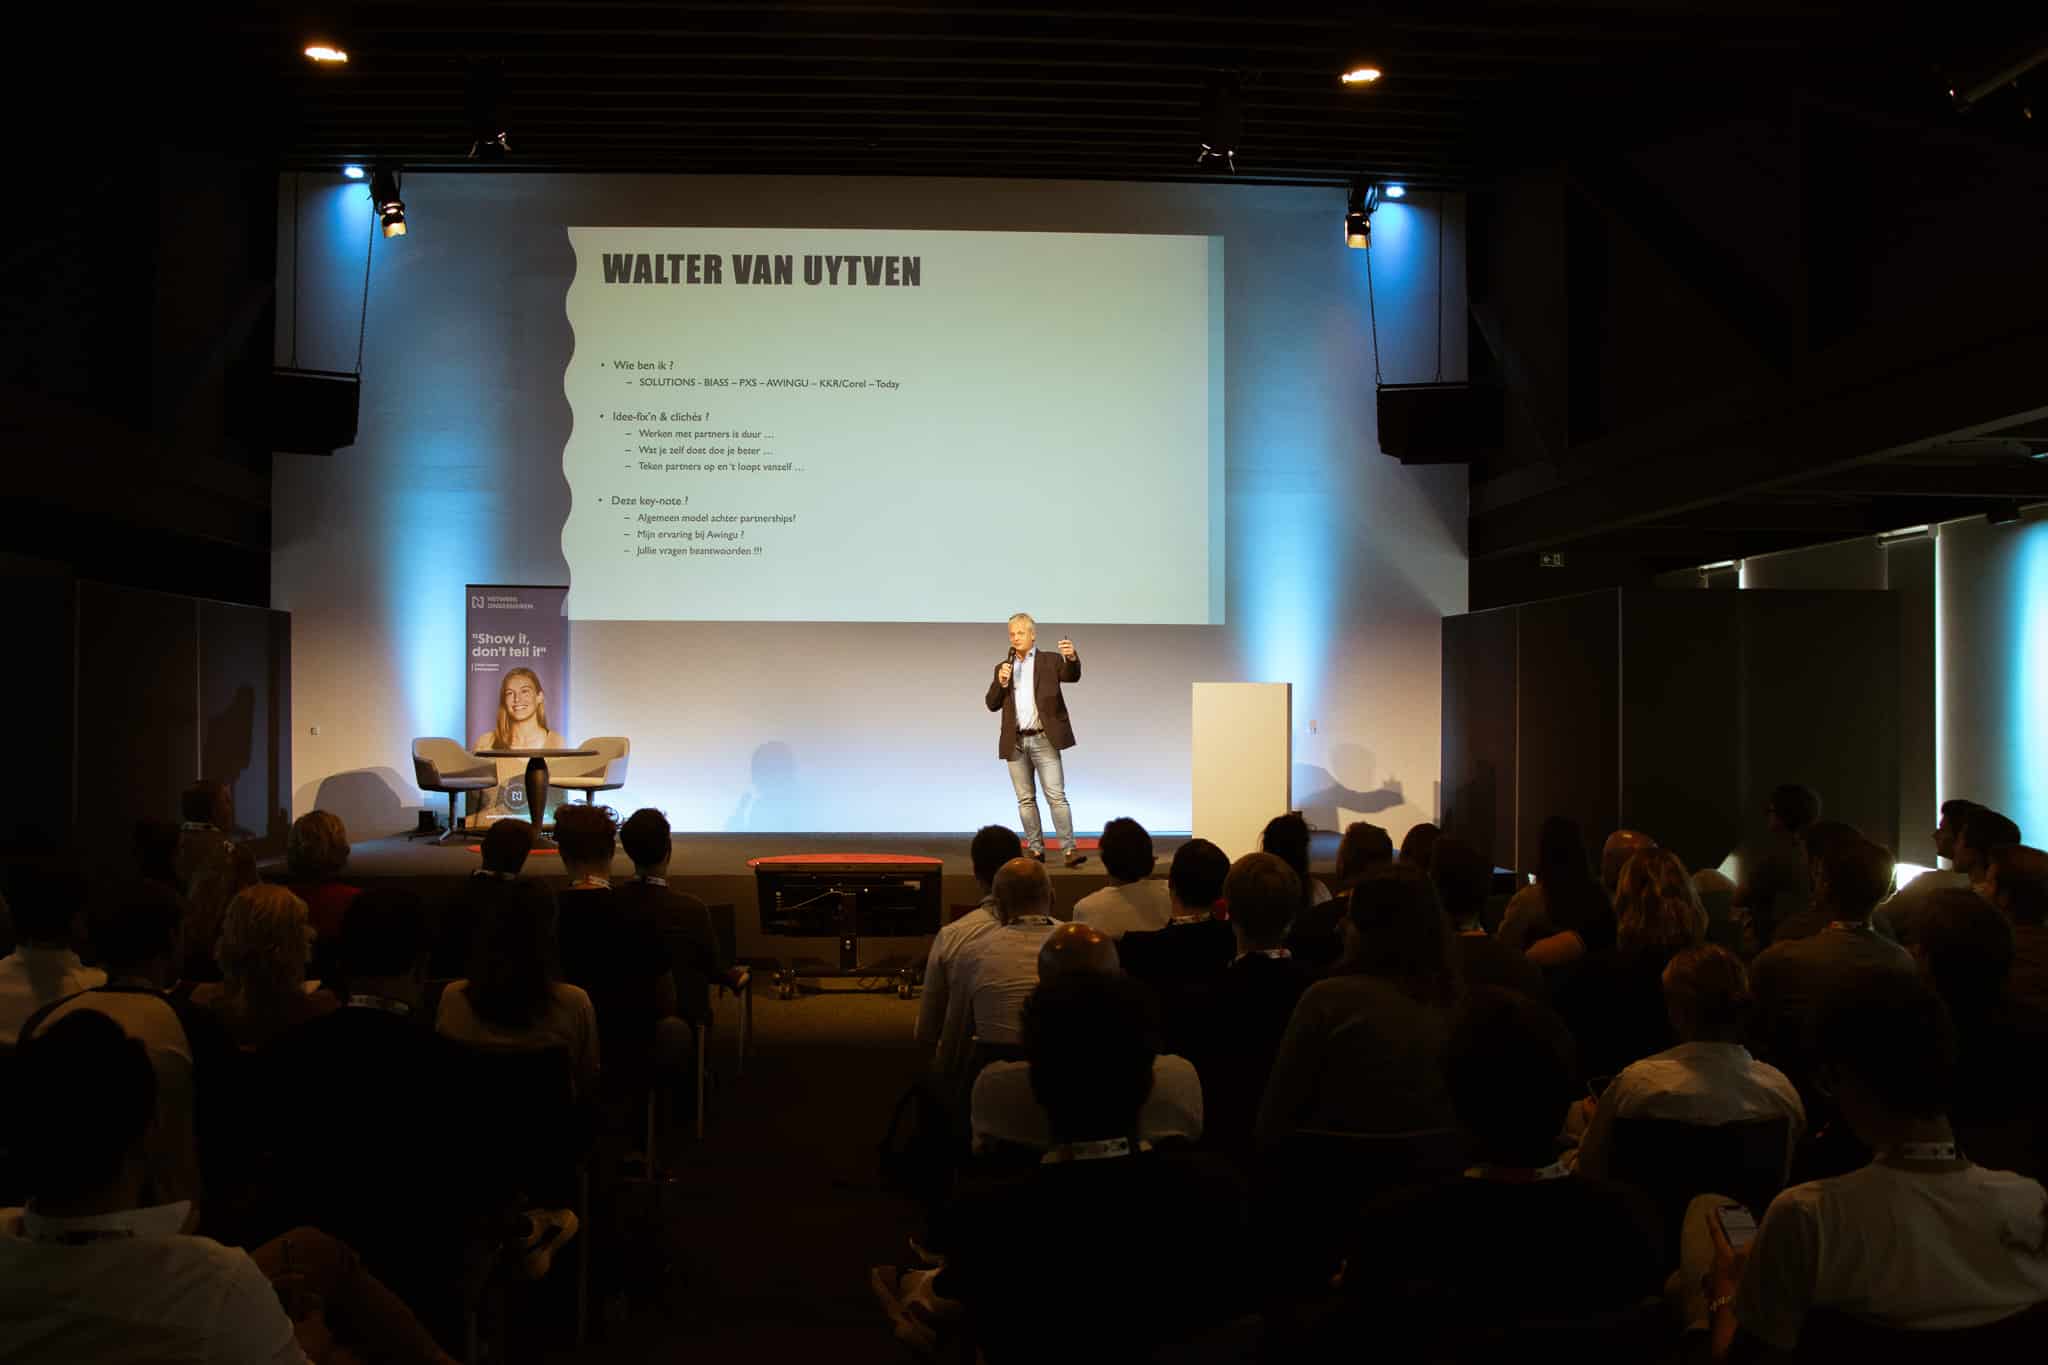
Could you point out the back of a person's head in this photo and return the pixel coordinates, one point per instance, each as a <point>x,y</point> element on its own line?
<point>1400,933</point>
<point>202,802</point>
<point>1967,947</point>
<point>1418,845</point>
<point>383,934</point>
<point>265,937</point>
<point>1074,947</point>
<point>993,846</point>
<point>505,846</point>
<point>1706,993</point>
<point>1197,873</point>
<point>1855,875</point>
<point>1364,845</point>
<point>1091,1038</point>
<point>1561,854</point>
<point>1509,1065</point>
<point>645,837</point>
<point>1463,878</point>
<point>1824,836</point>
<point>585,835</point>
<point>2022,881</point>
<point>1655,904</point>
<point>1795,806</point>
<point>134,924</point>
<point>1985,829</point>
<point>1956,810</point>
<point>1126,849</point>
<point>1286,838</point>
<point>44,898</point>
<point>1021,887</point>
<point>317,847</point>
<point>156,850</point>
<point>1615,855</point>
<point>1264,895</point>
<point>82,1094</point>
<point>510,984</point>
<point>1890,1033</point>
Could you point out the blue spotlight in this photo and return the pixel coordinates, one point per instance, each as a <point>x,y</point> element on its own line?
<point>1396,191</point>
<point>353,171</point>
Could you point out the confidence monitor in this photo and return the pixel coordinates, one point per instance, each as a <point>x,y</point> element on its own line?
<point>845,897</point>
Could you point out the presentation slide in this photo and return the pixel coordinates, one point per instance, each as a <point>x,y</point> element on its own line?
<point>816,425</point>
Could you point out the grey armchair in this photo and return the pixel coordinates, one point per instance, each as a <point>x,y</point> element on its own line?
<point>606,773</point>
<point>442,765</point>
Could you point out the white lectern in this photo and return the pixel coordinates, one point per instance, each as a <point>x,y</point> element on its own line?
<point>1244,761</point>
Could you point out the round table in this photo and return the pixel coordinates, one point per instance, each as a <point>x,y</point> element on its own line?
<point>536,778</point>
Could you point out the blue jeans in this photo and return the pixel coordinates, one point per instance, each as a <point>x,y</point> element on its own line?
<point>1037,753</point>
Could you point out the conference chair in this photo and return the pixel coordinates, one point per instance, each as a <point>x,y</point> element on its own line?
<point>606,773</point>
<point>442,765</point>
<point>1671,1162</point>
<point>725,931</point>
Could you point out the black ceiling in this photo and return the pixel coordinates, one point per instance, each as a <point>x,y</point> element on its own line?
<point>1044,91</point>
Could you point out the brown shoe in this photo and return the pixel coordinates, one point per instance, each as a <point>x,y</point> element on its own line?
<point>1075,857</point>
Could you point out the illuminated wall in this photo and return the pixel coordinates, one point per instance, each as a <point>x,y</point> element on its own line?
<point>1341,563</point>
<point>1992,585</point>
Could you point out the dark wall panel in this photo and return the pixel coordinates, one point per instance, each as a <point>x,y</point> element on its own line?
<point>1681,740</point>
<point>138,704</point>
<point>1479,732</point>
<point>245,728</point>
<point>43,601</point>
<point>1570,672</point>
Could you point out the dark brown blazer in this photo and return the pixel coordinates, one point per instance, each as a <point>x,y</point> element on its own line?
<point>1051,669</point>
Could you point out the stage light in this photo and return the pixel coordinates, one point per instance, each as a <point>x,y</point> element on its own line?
<point>488,140</point>
<point>327,54</point>
<point>1222,122</point>
<point>1395,191</point>
<point>1358,206</point>
<point>353,171</point>
<point>1363,74</point>
<point>384,196</point>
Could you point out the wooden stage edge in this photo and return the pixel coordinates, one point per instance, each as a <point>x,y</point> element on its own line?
<point>713,867</point>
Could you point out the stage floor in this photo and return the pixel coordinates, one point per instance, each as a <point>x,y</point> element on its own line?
<point>713,867</point>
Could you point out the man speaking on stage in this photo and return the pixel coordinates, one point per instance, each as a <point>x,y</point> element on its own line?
<point>1035,728</point>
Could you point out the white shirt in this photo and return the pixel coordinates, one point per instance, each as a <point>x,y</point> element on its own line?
<point>143,1292</point>
<point>1005,1110</point>
<point>31,977</point>
<point>570,1021</point>
<point>1023,676</point>
<point>1899,1248</point>
<point>994,974</point>
<point>940,1009</point>
<point>1703,1083</point>
<point>149,1018</point>
<point>1896,918</point>
<point>1132,908</point>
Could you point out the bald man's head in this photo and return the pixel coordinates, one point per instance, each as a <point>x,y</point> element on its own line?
<point>1076,948</point>
<point>1621,846</point>
<point>1022,887</point>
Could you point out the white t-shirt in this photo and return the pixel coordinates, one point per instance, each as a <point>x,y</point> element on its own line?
<point>138,1291</point>
<point>1898,1248</point>
<point>941,1008</point>
<point>571,1022</point>
<point>1703,1083</point>
<point>994,973</point>
<point>32,977</point>
<point>1005,1110</point>
<point>1132,908</point>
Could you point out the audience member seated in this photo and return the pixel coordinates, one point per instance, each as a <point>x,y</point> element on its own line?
<point>1891,917</point>
<point>1564,898</point>
<point>1463,881</point>
<point>511,997</point>
<point>1982,832</point>
<point>1717,897</point>
<point>1317,935</point>
<point>45,901</point>
<point>265,942</point>
<point>1817,840</point>
<point>156,852</point>
<point>1514,1239</point>
<point>502,854</point>
<point>315,852</point>
<point>1614,1002</point>
<point>205,903</point>
<point>1418,845</point>
<point>1185,961</point>
<point>1615,853</point>
<point>1286,837</point>
<point>694,955</point>
<point>1005,1112</point>
<point>1134,901</point>
<point>994,972</point>
<point>1709,1078</point>
<point>943,1009</point>
<point>1364,1050</point>
<point>1965,949</point>
<point>1153,1238</point>
<point>205,831</point>
<point>93,1269</point>
<point>1237,1038</point>
<point>2016,881</point>
<point>1771,872</point>
<point>134,934</point>
<point>615,955</point>
<point>1791,980</point>
<point>1920,1239</point>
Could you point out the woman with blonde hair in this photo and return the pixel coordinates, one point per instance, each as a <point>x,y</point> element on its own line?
<point>1656,906</point>
<point>265,940</point>
<point>1615,1001</point>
